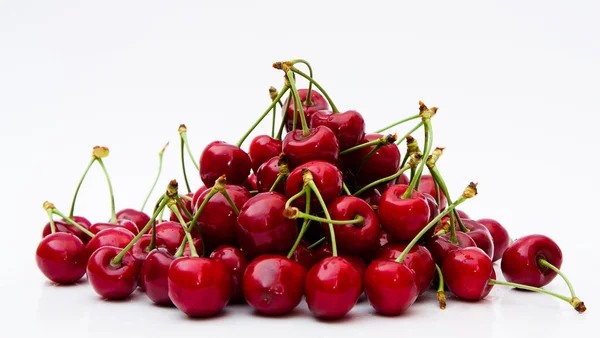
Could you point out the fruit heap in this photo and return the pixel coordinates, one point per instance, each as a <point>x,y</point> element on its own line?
<point>325,211</point>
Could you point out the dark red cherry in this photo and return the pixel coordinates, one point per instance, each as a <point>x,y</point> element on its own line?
<point>348,127</point>
<point>140,218</point>
<point>197,195</point>
<point>237,262</point>
<point>384,162</point>
<point>113,282</point>
<point>318,102</point>
<point>320,144</point>
<point>171,233</point>
<point>480,234</point>
<point>63,226</point>
<point>273,285</point>
<point>391,287</point>
<point>220,158</point>
<point>332,288</point>
<point>187,205</point>
<point>357,262</point>
<point>403,218</point>
<point>115,237</point>
<point>140,251</point>
<point>427,185</point>
<point>466,273</point>
<point>155,276</point>
<point>61,257</point>
<point>250,184</point>
<point>267,174</point>
<point>327,178</point>
<point>200,287</point>
<point>418,259</point>
<point>434,210</point>
<point>198,245</point>
<point>520,261</point>
<point>262,148</point>
<point>123,224</point>
<point>323,251</point>
<point>372,197</point>
<point>304,257</point>
<point>262,228</point>
<point>499,236</point>
<point>440,245</point>
<point>382,239</point>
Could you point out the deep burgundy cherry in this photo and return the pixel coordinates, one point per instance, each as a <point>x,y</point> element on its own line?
<point>384,162</point>
<point>353,238</point>
<point>140,218</point>
<point>427,185</point>
<point>200,287</point>
<point>304,257</point>
<point>320,144</point>
<point>382,239</point>
<point>187,204</point>
<point>171,233</point>
<point>372,197</point>
<point>113,282</point>
<point>348,127</point>
<point>323,251</point>
<point>391,287</point>
<point>237,262</point>
<point>327,178</point>
<point>332,288</point>
<point>480,234</point>
<point>403,218</point>
<point>250,183</point>
<point>154,276</point>
<point>266,175</point>
<point>466,273</point>
<point>499,235</point>
<point>115,237</point>
<point>440,246</point>
<point>262,228</point>
<point>520,261</point>
<point>140,250</point>
<point>318,103</point>
<point>197,195</point>
<point>274,285</point>
<point>61,257</point>
<point>63,226</point>
<point>262,148</point>
<point>124,224</point>
<point>220,158</point>
<point>418,259</point>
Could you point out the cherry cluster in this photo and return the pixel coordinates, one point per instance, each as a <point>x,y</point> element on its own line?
<point>324,211</point>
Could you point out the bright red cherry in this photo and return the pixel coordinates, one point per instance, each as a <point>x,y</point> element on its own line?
<point>267,174</point>
<point>124,224</point>
<point>480,234</point>
<point>520,262</point>
<point>427,185</point>
<point>113,282</point>
<point>391,287</point>
<point>499,235</point>
<point>115,237</point>
<point>467,272</point>
<point>140,218</point>
<point>382,163</point>
<point>61,257</point>
<point>262,148</point>
<point>418,259</point>
<point>318,102</point>
<point>440,246</point>
<point>140,251</point>
<point>237,262</point>
<point>320,144</point>
<point>348,127</point>
<point>327,178</point>
<point>403,218</point>
<point>155,276</point>
<point>171,233</point>
<point>220,158</point>
<point>63,226</point>
<point>198,245</point>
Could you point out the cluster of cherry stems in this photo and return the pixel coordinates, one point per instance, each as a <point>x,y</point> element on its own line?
<point>380,226</point>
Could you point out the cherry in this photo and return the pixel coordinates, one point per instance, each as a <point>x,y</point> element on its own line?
<point>318,103</point>
<point>123,224</point>
<point>427,185</point>
<point>462,214</point>
<point>322,252</point>
<point>262,228</point>
<point>220,158</point>
<point>319,143</point>
<point>375,250</point>
<point>403,179</point>
<point>198,245</point>
<point>418,259</point>
<point>189,207</point>
<point>237,262</point>
<point>499,236</point>
<point>440,245</point>
<point>251,184</point>
<point>304,257</point>
<point>140,250</point>
<point>200,287</point>
<point>154,276</point>
<point>326,176</point>
<point>332,288</point>
<point>197,195</point>
<point>357,262</point>
<point>372,197</point>
<point>382,163</point>
<point>434,210</point>
<point>521,261</point>
<point>262,148</point>
<point>140,218</point>
<point>61,257</point>
<point>109,280</point>
<point>403,218</point>
<point>63,226</point>
<point>348,127</point>
<point>267,174</point>
<point>391,287</point>
<point>114,237</point>
<point>273,285</point>
<point>467,272</point>
<point>480,235</point>
<point>171,233</point>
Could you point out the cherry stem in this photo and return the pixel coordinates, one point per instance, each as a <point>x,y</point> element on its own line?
<point>295,116</point>
<point>212,192</point>
<point>308,101</point>
<point>94,158</point>
<point>315,244</point>
<point>419,125</point>
<point>311,80</point>
<point>188,236</point>
<point>277,180</point>
<point>454,217</point>
<point>230,201</point>
<point>52,225</point>
<point>113,217</point>
<point>346,190</point>
<point>299,214</point>
<point>414,183</point>
<point>273,121</point>
<point>383,180</point>
<point>544,263</point>
<point>304,227</point>
<point>160,165</point>
<point>305,130</point>
<point>182,153</point>
<point>182,207</point>
<point>384,140</point>
<point>295,197</point>
<point>283,120</point>
<point>185,197</point>
<point>311,184</point>
<point>72,222</point>
<point>576,303</point>
<point>273,103</point>
<point>184,138</point>
<point>152,244</point>
<point>441,295</point>
<point>397,123</point>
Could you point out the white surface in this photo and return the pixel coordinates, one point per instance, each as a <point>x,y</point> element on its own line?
<point>516,83</point>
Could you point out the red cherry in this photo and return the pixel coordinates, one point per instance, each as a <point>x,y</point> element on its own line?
<point>327,178</point>
<point>123,224</point>
<point>172,234</point>
<point>61,257</point>
<point>267,174</point>
<point>237,262</point>
<point>262,148</point>
<point>187,204</point>
<point>200,287</point>
<point>427,185</point>
<point>382,239</point>
<point>320,144</point>
<point>332,288</point>
<point>434,210</point>
<point>358,263</point>
<point>384,162</point>
<point>462,214</point>
<point>348,127</point>
<point>480,234</point>
<point>440,246</point>
<point>318,103</point>
<point>303,256</point>
<point>403,179</point>
<point>372,197</point>
<point>403,218</point>
<point>273,285</point>
<point>499,236</point>
<point>520,261</point>
<point>323,251</point>
<point>418,259</point>
<point>63,226</point>
<point>250,184</point>
<point>466,273</point>
<point>113,282</point>
<point>391,287</point>
<point>262,228</point>
<point>140,218</point>
<point>198,245</point>
<point>197,196</point>
<point>220,158</point>
<point>155,276</point>
<point>115,237</point>
<point>140,251</point>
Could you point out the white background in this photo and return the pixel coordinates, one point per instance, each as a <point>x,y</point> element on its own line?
<point>516,83</point>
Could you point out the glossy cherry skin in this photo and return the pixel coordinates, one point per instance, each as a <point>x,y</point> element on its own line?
<point>61,257</point>
<point>348,127</point>
<point>391,288</point>
<point>197,195</point>
<point>172,235</point>
<point>200,287</point>
<point>115,237</point>
<point>520,261</point>
<point>332,288</point>
<point>140,251</point>
<point>124,224</point>
<point>304,257</point>
<point>403,179</point>
<point>499,236</point>
<point>109,281</point>
<point>267,174</point>
<point>237,263</point>
<point>154,276</point>
<point>418,259</point>
<point>262,228</point>
<point>140,218</point>
<point>323,251</point>
<point>187,204</point>
<point>403,218</point>
<point>250,184</point>
<point>318,103</point>
<point>427,185</point>
<point>372,197</point>
<point>220,158</point>
<point>198,245</point>
<point>480,234</point>
<point>467,272</point>
<point>353,238</point>
<point>63,226</point>
<point>327,178</point>
<point>320,144</point>
<point>262,148</point>
<point>373,253</point>
<point>434,210</point>
<point>440,246</point>
<point>273,285</point>
<point>384,162</point>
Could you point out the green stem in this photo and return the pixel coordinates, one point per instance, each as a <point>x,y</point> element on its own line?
<point>397,123</point>
<point>152,244</point>
<point>311,80</point>
<point>182,207</point>
<point>437,177</point>
<point>358,220</point>
<point>295,116</point>
<point>277,180</point>
<point>212,192</point>
<point>414,183</point>
<point>380,141</point>
<point>315,244</point>
<point>311,184</point>
<point>160,165</point>
<point>113,218</point>
<point>52,225</point>
<point>382,180</point>
<point>79,186</point>
<point>72,222</point>
<point>185,197</point>
<point>188,236</point>
<point>308,101</point>
<point>284,118</point>
<point>228,198</point>
<point>305,130</point>
<point>346,190</point>
<point>241,141</point>
<point>441,295</point>
<point>189,151</point>
<point>273,121</point>
<point>546,264</point>
<point>187,184</point>
<point>304,227</point>
<point>400,140</point>
<point>295,197</point>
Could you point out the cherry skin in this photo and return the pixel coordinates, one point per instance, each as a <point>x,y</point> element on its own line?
<point>318,103</point>
<point>237,262</point>
<point>197,195</point>
<point>440,245</point>
<point>113,282</point>
<point>327,178</point>
<point>250,184</point>
<point>320,144</point>
<point>384,162</point>
<point>273,285</point>
<point>427,185</point>
<point>171,233</point>
<point>200,287</point>
<point>323,251</point>
<point>267,174</point>
<point>520,261</point>
<point>391,287</point>
<point>480,234</point>
<point>140,251</point>
<point>220,158</point>
<point>372,197</point>
<point>198,245</point>
<point>115,237</point>
<point>262,148</point>
<point>154,276</point>
<point>123,224</point>
<point>382,239</point>
<point>304,257</point>
<point>403,218</point>
<point>63,226</point>
<point>187,204</point>
<point>140,218</point>
<point>332,287</point>
<point>434,210</point>
<point>403,179</point>
<point>467,272</point>
<point>262,228</point>
<point>61,257</point>
<point>418,259</point>
<point>499,236</point>
<point>348,127</point>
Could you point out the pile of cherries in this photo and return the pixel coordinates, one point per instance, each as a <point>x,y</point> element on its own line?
<point>323,211</point>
